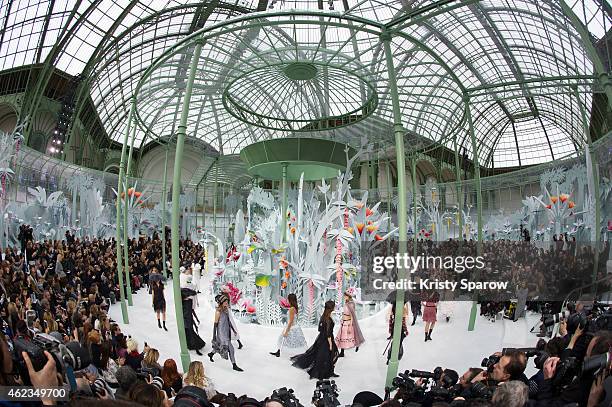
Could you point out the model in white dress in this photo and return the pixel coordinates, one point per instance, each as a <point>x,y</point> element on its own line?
<point>292,336</point>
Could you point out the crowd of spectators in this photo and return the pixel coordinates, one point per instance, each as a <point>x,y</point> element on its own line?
<point>57,293</point>
<point>547,271</point>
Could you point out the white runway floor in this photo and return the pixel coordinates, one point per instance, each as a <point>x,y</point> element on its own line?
<point>452,347</point>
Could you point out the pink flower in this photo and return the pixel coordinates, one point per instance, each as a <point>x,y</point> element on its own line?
<point>232,292</point>
<point>284,303</point>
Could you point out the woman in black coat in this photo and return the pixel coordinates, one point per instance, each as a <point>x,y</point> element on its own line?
<point>159,302</point>
<point>321,358</point>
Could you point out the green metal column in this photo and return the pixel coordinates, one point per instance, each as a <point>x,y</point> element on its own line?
<point>284,205</point>
<point>389,193</point>
<point>595,170</point>
<point>164,199</point>
<point>401,208</point>
<point>459,192</point>
<point>126,239</point>
<point>176,194</point>
<point>204,206</point>
<point>215,203</point>
<point>468,112</point>
<point>415,201</point>
<point>124,312</point>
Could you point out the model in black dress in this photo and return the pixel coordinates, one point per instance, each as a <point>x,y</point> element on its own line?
<point>194,342</point>
<point>320,359</point>
<point>159,302</point>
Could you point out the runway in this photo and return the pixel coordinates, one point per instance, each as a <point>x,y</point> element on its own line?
<point>452,347</point>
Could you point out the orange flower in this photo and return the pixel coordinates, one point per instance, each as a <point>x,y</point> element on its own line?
<point>350,229</point>
<point>123,195</point>
<point>548,206</point>
<point>563,197</point>
<point>360,227</point>
<point>554,199</point>
<point>369,212</point>
<point>371,228</point>
<point>130,191</point>
<point>287,274</point>
<point>137,194</point>
<point>378,237</point>
<point>292,230</point>
<point>284,285</point>
<point>571,204</point>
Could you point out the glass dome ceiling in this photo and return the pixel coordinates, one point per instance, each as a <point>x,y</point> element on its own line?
<point>510,56</point>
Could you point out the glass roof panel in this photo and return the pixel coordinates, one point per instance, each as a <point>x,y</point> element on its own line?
<point>475,48</point>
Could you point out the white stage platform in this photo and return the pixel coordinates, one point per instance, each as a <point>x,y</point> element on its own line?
<point>452,347</point>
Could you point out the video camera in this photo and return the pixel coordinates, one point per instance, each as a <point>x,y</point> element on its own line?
<point>595,316</point>
<point>286,397</point>
<point>567,368</point>
<point>67,356</point>
<point>408,391</point>
<point>325,394</point>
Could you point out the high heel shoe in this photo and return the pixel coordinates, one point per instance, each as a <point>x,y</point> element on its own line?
<point>277,353</point>
<point>239,344</point>
<point>210,356</point>
<point>236,368</point>
<point>341,355</point>
<point>166,329</point>
<point>198,352</point>
<point>357,349</point>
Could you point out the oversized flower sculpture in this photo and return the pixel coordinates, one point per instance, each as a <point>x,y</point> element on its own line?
<point>559,208</point>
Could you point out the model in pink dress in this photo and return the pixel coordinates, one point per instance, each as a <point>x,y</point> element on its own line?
<point>349,336</point>
<point>429,314</point>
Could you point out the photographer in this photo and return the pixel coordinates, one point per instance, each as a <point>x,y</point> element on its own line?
<point>501,367</point>
<point>564,380</point>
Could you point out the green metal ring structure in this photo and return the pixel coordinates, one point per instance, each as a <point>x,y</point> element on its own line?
<point>301,77</point>
<point>266,159</point>
<point>273,20</point>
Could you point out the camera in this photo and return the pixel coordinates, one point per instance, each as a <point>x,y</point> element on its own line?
<point>550,320</point>
<point>325,394</point>
<point>71,355</point>
<point>597,363</point>
<point>567,368</point>
<point>408,391</point>
<point>435,375</point>
<point>489,362</point>
<point>285,397</point>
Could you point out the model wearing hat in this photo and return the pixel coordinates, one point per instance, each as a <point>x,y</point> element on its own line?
<point>349,336</point>
<point>223,331</point>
